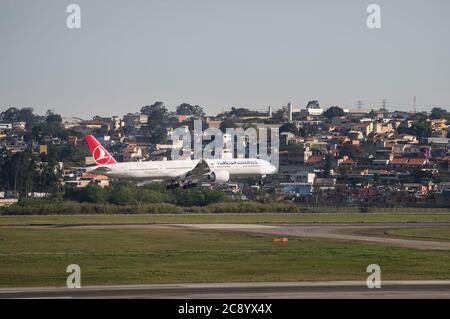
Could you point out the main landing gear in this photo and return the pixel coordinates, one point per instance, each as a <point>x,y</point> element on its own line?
<point>187,185</point>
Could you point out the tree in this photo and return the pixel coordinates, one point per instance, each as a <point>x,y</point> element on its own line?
<point>422,129</point>
<point>14,114</point>
<point>156,112</point>
<point>439,113</point>
<point>278,115</point>
<point>25,172</point>
<point>313,104</point>
<point>70,155</point>
<point>419,117</point>
<point>122,193</point>
<point>52,118</point>
<point>308,130</point>
<point>187,109</point>
<point>158,134</point>
<point>10,115</point>
<point>42,130</point>
<point>333,111</point>
<point>289,127</point>
<point>88,194</point>
<point>240,112</point>
<point>148,195</point>
<point>26,115</point>
<point>158,117</point>
<point>198,196</point>
<point>420,176</point>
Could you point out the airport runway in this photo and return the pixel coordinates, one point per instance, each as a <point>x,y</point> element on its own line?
<point>305,290</point>
<point>368,233</point>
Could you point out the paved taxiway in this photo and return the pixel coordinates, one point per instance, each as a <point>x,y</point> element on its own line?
<point>368,233</point>
<point>391,289</point>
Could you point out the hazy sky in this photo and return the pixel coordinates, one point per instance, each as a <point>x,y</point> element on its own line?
<point>218,54</point>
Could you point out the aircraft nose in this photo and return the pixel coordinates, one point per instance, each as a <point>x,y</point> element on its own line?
<point>272,169</point>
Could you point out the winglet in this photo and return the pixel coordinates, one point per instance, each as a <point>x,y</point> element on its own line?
<point>99,153</point>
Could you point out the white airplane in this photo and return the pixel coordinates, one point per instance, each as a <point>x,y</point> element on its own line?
<point>186,173</point>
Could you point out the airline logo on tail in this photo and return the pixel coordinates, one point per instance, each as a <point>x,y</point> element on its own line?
<point>99,153</point>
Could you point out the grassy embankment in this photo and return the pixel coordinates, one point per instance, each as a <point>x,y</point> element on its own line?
<point>65,207</point>
<point>68,212</point>
<point>222,218</point>
<point>39,257</point>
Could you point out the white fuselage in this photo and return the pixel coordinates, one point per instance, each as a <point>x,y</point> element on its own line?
<point>176,169</point>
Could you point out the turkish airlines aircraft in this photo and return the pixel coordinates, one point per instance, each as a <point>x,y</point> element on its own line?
<point>177,172</point>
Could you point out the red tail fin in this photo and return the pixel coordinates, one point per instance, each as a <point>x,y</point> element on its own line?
<point>99,153</point>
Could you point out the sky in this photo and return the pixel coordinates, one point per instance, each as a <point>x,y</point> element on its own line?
<point>219,54</point>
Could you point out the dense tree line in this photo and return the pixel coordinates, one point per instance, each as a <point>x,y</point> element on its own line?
<point>191,110</point>
<point>421,129</point>
<point>70,155</point>
<point>124,193</point>
<point>333,111</point>
<point>439,113</point>
<point>46,207</point>
<point>14,114</point>
<point>240,112</point>
<point>159,118</point>
<point>26,172</point>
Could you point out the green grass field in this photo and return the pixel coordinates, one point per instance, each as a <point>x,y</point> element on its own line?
<point>222,218</point>
<point>39,257</point>
<point>426,233</point>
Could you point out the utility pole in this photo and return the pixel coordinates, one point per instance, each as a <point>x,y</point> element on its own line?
<point>414,104</point>
<point>359,103</point>
<point>384,102</point>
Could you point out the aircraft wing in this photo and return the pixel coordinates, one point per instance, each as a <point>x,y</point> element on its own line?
<point>198,172</point>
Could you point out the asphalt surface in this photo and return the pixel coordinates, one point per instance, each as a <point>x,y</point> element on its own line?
<point>367,233</point>
<point>349,290</point>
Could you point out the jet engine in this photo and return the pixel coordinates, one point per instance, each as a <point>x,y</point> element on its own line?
<point>220,177</point>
